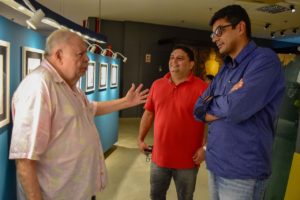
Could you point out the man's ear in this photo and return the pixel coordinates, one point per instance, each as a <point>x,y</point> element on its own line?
<point>242,27</point>
<point>59,56</point>
<point>192,64</point>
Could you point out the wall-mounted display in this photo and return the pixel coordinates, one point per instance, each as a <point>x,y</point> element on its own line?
<point>31,59</point>
<point>90,77</point>
<point>4,82</point>
<point>114,76</point>
<point>103,74</point>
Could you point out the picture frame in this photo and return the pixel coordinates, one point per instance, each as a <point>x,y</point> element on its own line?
<point>90,76</point>
<point>103,75</point>
<point>4,83</point>
<point>31,59</point>
<point>113,75</point>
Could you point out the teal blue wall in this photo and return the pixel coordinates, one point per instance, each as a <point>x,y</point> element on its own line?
<point>107,125</point>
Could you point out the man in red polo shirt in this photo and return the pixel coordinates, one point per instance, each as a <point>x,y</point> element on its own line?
<point>178,138</point>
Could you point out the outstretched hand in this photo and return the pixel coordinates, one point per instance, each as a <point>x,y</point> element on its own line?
<point>135,96</point>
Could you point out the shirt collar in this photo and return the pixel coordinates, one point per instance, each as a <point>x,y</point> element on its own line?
<point>56,77</point>
<point>168,77</point>
<point>241,56</point>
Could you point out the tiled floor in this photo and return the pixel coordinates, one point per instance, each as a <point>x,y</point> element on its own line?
<point>128,170</point>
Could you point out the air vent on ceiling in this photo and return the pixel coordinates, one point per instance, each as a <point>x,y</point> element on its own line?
<point>273,9</point>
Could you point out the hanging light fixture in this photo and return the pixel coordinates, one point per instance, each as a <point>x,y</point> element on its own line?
<point>292,8</point>
<point>35,19</point>
<point>104,51</point>
<point>118,53</point>
<point>93,48</point>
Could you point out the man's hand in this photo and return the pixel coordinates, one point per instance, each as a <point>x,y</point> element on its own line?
<point>199,156</point>
<point>136,96</point>
<point>142,146</point>
<point>133,97</point>
<point>210,118</point>
<point>237,86</point>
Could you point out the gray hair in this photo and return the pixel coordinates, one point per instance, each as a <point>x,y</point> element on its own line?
<point>56,38</point>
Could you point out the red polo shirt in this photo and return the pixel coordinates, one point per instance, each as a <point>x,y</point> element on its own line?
<point>177,135</point>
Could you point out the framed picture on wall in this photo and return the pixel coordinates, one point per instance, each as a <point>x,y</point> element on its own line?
<point>103,74</point>
<point>4,82</point>
<point>114,76</point>
<point>31,59</point>
<point>90,77</point>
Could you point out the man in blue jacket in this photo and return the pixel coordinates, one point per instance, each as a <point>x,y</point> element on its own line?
<point>240,106</point>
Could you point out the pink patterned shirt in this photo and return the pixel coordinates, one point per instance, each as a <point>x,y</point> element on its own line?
<point>54,125</point>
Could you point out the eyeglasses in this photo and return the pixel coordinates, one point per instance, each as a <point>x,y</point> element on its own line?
<point>219,31</point>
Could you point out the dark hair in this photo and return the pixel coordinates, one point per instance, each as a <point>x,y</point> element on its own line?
<point>234,14</point>
<point>187,50</point>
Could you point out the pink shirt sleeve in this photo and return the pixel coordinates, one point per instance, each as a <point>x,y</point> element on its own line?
<point>31,129</point>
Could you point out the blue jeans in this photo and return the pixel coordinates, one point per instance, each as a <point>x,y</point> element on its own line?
<point>235,189</point>
<point>160,179</point>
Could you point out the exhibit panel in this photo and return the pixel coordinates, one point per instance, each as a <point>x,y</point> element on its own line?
<point>31,59</point>
<point>4,82</point>
<point>114,75</point>
<point>103,76</point>
<point>90,77</point>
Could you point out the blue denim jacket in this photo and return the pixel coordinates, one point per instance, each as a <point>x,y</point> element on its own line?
<point>239,143</point>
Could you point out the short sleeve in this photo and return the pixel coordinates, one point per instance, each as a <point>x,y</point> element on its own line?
<point>31,119</point>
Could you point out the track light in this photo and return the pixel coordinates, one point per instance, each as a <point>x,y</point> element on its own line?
<point>35,19</point>
<point>292,8</point>
<point>267,25</point>
<point>118,53</point>
<point>93,48</point>
<point>104,51</point>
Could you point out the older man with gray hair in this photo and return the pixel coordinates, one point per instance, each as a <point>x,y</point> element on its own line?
<point>55,142</point>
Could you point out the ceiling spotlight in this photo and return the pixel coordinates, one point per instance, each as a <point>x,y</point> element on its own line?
<point>104,52</point>
<point>282,33</point>
<point>267,25</point>
<point>35,19</point>
<point>118,53</point>
<point>273,34</point>
<point>92,48</point>
<point>292,8</point>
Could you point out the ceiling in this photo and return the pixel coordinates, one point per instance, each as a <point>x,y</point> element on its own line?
<point>193,14</point>
<point>189,14</point>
